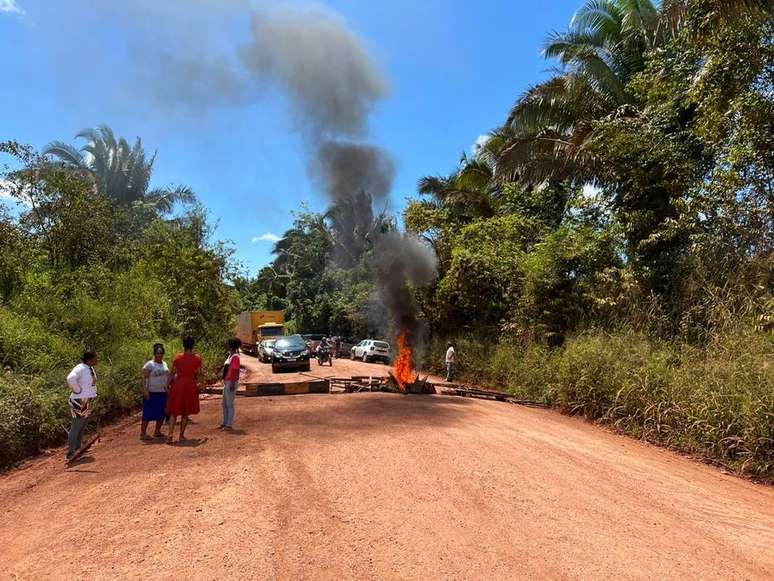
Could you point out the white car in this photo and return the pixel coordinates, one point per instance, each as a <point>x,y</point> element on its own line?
<point>371,350</point>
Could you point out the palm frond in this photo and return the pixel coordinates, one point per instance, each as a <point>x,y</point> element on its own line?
<point>433,185</point>
<point>65,153</point>
<point>601,16</point>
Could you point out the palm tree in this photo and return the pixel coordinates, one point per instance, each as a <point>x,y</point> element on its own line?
<point>601,51</point>
<point>604,47</point>
<point>468,190</point>
<point>354,226</point>
<point>120,171</point>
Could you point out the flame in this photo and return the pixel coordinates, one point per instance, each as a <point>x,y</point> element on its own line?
<point>404,364</point>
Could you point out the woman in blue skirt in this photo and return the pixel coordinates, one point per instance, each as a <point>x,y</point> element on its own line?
<point>155,386</point>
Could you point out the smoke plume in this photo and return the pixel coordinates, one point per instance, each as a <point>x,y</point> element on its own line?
<point>332,86</point>
<point>345,168</point>
<point>322,66</point>
<point>403,260</point>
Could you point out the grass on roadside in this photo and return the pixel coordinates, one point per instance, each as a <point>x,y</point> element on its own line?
<point>715,401</point>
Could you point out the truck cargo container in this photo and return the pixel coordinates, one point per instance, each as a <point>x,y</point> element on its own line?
<point>255,326</point>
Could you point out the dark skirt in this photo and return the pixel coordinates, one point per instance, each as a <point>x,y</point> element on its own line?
<point>153,408</point>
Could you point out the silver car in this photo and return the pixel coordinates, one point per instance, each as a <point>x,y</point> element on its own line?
<point>265,350</point>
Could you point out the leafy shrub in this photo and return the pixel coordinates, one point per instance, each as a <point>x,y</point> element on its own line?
<point>716,401</point>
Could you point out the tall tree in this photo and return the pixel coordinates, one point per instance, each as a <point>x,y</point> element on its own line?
<point>120,171</point>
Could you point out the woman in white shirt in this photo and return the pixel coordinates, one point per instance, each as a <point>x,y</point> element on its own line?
<point>83,389</point>
<point>155,387</point>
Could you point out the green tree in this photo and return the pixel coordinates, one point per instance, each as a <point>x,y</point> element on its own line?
<point>120,171</point>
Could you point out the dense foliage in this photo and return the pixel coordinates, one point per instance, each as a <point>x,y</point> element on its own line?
<point>81,269</point>
<point>638,180</point>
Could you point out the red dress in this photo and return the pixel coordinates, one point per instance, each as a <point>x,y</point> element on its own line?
<point>183,394</point>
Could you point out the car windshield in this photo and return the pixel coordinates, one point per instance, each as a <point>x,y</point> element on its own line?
<point>381,345</point>
<point>293,342</point>
<point>269,343</point>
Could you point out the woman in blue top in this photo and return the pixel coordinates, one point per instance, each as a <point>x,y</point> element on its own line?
<point>155,386</point>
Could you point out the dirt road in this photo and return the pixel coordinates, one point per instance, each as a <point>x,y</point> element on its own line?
<point>382,486</point>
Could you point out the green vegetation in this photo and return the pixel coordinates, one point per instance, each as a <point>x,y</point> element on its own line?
<point>82,268</point>
<point>323,271</point>
<point>714,400</point>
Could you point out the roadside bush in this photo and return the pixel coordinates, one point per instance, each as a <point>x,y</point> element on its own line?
<point>716,401</point>
<point>27,345</point>
<point>31,415</point>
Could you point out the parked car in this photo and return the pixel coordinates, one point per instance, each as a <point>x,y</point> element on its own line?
<point>265,349</point>
<point>342,346</point>
<point>290,353</point>
<point>371,350</point>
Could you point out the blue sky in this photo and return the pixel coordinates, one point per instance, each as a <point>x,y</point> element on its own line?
<point>454,68</point>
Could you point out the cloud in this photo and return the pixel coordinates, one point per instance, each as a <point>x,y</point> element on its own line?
<point>10,7</point>
<point>481,141</point>
<point>268,237</point>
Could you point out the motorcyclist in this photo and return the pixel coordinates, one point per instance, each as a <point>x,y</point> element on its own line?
<point>324,351</point>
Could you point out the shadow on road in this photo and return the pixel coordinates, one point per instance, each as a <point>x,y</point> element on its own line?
<point>235,432</point>
<point>191,442</point>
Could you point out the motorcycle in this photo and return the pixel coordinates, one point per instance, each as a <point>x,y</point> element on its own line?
<point>324,355</point>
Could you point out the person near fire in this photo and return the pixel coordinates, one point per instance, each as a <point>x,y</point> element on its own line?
<point>183,398</point>
<point>230,381</point>
<point>449,362</point>
<point>82,381</point>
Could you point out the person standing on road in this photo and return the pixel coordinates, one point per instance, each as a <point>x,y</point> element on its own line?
<point>449,362</point>
<point>183,398</point>
<point>230,382</point>
<point>83,389</point>
<point>155,387</point>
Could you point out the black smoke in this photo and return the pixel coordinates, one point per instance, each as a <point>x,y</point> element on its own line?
<point>332,86</point>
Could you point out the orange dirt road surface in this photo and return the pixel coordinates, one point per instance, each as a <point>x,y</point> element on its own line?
<point>382,486</point>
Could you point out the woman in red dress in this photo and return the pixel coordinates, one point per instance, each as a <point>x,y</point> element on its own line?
<point>184,394</point>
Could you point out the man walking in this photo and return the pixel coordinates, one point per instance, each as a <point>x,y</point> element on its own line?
<point>83,389</point>
<point>449,362</point>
